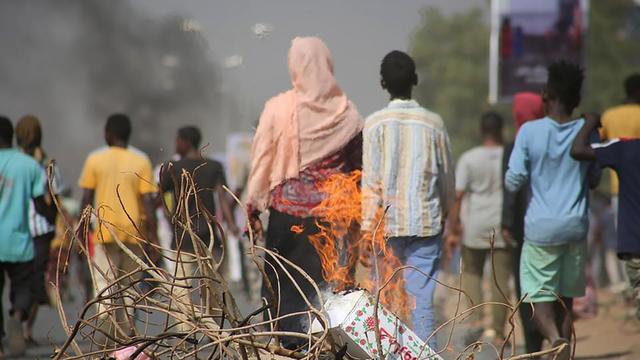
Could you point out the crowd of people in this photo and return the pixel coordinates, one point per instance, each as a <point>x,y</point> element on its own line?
<point>523,205</point>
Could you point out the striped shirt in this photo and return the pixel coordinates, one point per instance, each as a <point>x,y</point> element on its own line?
<point>407,167</point>
<point>38,224</point>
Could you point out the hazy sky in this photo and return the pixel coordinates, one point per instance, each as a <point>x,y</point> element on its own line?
<point>358,32</point>
<point>47,70</point>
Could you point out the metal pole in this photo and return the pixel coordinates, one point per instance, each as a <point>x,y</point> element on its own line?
<point>494,51</point>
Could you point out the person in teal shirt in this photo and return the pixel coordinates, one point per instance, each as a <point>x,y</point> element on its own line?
<point>553,260</point>
<point>22,180</point>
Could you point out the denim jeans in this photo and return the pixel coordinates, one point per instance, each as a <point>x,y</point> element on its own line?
<point>424,254</point>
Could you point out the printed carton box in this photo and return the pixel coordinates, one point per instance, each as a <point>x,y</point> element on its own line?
<point>352,322</point>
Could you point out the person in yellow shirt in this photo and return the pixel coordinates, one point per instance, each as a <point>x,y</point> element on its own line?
<point>623,121</point>
<point>118,181</point>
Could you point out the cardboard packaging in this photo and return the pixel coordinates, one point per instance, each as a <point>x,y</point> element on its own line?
<point>352,322</point>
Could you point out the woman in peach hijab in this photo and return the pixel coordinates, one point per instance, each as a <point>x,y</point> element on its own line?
<point>304,136</point>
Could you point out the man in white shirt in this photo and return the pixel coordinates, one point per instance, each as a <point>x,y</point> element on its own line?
<point>475,222</point>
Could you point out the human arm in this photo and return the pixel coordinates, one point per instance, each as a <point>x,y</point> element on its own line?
<point>166,177</point>
<point>354,153</point>
<point>518,170</point>
<point>88,196</point>
<point>509,200</point>
<point>371,179</point>
<point>39,194</point>
<point>446,172</point>
<point>149,202</point>
<point>225,206</point>
<point>45,209</point>
<point>88,182</point>
<point>462,186</point>
<point>149,193</point>
<point>454,231</point>
<point>258,181</point>
<point>581,149</point>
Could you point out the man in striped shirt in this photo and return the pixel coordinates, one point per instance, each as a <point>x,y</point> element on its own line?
<point>407,168</point>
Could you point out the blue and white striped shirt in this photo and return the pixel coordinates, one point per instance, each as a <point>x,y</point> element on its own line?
<point>38,224</point>
<point>407,166</point>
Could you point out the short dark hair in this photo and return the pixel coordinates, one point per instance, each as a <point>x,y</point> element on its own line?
<point>398,71</point>
<point>119,125</point>
<point>6,130</point>
<point>632,86</point>
<point>190,134</point>
<point>564,83</point>
<point>491,124</point>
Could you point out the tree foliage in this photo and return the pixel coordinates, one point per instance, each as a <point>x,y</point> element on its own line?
<point>613,52</point>
<point>452,52</point>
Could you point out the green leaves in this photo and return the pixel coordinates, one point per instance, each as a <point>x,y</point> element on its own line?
<point>451,54</point>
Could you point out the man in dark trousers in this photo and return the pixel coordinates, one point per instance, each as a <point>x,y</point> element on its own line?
<point>208,181</point>
<point>22,180</point>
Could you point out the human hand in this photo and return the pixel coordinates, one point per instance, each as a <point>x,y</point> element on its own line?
<point>506,236</point>
<point>256,227</point>
<point>451,244</point>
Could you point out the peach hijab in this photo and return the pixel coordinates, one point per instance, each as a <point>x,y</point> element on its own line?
<point>304,125</point>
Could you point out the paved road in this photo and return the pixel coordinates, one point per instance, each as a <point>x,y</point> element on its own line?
<point>49,333</point>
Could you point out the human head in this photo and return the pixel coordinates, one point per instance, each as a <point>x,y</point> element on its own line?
<point>564,84</point>
<point>526,106</point>
<point>491,126</point>
<point>117,130</point>
<point>632,87</point>
<point>29,133</point>
<point>188,139</point>
<point>398,74</point>
<point>311,69</point>
<point>6,132</point>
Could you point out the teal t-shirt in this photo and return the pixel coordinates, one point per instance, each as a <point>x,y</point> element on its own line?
<point>21,180</point>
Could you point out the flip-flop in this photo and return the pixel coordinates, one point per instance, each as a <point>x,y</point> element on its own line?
<point>565,353</point>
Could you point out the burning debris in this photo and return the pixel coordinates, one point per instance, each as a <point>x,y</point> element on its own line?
<point>352,318</point>
<point>340,244</point>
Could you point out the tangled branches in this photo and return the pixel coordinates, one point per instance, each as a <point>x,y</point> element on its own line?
<point>144,311</point>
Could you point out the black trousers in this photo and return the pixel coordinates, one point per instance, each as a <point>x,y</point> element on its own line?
<point>42,246</point>
<point>20,281</point>
<point>297,249</point>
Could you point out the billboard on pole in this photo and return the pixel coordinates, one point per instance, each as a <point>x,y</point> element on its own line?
<point>532,34</point>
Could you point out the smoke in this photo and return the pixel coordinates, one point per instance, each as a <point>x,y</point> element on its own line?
<point>74,62</point>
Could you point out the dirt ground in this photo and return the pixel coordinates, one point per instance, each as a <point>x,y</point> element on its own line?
<point>612,334</point>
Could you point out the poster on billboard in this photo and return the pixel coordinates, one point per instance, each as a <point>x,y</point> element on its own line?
<point>531,34</point>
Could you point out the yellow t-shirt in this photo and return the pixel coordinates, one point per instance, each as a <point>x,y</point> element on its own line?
<point>619,122</point>
<point>112,170</point>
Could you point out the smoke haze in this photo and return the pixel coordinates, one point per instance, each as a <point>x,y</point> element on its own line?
<point>72,63</point>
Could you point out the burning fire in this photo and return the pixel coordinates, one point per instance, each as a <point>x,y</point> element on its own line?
<point>340,244</point>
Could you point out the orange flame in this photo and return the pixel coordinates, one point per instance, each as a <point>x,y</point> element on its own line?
<point>340,244</point>
<point>297,229</point>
